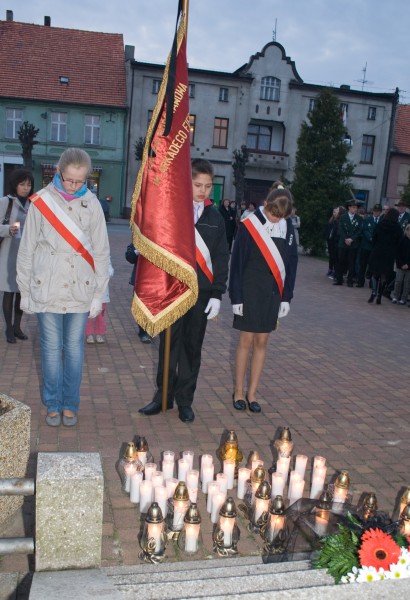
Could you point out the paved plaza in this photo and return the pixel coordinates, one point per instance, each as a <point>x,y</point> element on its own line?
<point>337,373</point>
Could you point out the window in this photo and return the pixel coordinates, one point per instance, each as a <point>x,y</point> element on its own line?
<point>223,94</point>
<point>312,104</point>
<point>92,129</point>
<point>149,117</point>
<point>191,90</point>
<point>270,88</point>
<point>156,84</point>
<point>58,127</point>
<point>367,149</point>
<point>192,122</point>
<point>220,132</point>
<point>14,120</point>
<point>371,114</point>
<point>259,137</point>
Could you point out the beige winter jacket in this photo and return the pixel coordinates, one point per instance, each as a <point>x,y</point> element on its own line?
<point>50,273</point>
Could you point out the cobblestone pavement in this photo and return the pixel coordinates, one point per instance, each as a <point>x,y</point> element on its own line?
<point>336,373</point>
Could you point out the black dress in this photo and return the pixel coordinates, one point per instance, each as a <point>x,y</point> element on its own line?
<point>261,298</point>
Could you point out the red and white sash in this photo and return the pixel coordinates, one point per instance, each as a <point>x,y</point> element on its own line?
<point>203,256</point>
<point>268,248</point>
<point>62,223</point>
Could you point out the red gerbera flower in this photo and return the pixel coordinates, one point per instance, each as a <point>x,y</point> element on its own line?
<point>378,550</point>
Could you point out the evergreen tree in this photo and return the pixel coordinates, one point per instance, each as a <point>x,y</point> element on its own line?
<point>27,134</point>
<point>405,195</point>
<point>240,160</point>
<point>322,171</point>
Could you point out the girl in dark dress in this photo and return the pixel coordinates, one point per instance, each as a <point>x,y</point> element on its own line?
<point>262,278</point>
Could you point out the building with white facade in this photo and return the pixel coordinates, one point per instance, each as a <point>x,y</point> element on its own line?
<point>262,105</point>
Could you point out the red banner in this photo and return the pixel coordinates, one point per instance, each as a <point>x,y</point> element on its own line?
<point>162,216</point>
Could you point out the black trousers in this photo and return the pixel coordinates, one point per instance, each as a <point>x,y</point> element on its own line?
<point>363,262</point>
<point>347,262</point>
<point>187,336</point>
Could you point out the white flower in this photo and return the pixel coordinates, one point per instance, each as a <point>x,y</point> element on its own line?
<point>367,574</point>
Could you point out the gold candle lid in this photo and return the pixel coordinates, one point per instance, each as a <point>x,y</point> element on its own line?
<point>253,455</point>
<point>228,508</point>
<point>154,514</point>
<point>285,434</point>
<point>130,452</point>
<point>405,514</point>
<point>232,438</point>
<point>264,491</point>
<point>181,492</point>
<point>325,500</point>
<point>405,499</point>
<point>258,475</point>
<point>342,480</point>
<point>277,506</point>
<point>192,516</point>
<point>142,445</point>
<point>370,501</point>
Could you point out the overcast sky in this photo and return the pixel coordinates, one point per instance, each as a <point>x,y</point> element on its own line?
<point>330,41</point>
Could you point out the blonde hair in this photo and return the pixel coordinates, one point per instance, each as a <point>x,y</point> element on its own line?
<point>279,203</point>
<point>74,157</point>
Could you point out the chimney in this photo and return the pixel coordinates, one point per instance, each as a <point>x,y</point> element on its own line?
<point>129,52</point>
<point>47,21</point>
<point>9,15</point>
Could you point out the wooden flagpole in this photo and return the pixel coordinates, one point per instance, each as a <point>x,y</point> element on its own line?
<point>167,344</point>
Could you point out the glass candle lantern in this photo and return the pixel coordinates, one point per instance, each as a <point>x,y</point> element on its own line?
<point>226,533</point>
<point>322,514</point>
<point>284,444</point>
<point>404,500</point>
<point>258,475</point>
<point>369,508</point>
<point>340,491</point>
<point>153,539</point>
<point>128,465</point>
<point>190,538</point>
<point>259,513</point>
<point>177,508</point>
<point>275,533</point>
<point>144,455</point>
<point>230,451</point>
<point>405,521</point>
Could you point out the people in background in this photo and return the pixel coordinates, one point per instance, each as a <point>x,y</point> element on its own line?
<point>14,207</point>
<point>249,210</point>
<point>402,281</point>
<point>350,232</point>
<point>229,217</point>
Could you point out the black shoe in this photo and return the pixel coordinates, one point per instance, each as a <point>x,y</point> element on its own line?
<point>186,414</point>
<point>253,406</point>
<point>238,404</point>
<point>20,335</point>
<point>10,336</point>
<point>154,408</point>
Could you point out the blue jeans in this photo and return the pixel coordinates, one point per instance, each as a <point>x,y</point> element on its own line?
<point>62,355</point>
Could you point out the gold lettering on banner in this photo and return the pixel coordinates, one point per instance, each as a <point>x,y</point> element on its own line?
<point>175,146</point>
<point>179,94</point>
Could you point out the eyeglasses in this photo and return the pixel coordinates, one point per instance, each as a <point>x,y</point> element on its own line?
<point>72,181</point>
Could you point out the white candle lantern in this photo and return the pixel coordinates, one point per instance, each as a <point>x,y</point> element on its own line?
<point>206,461</point>
<point>171,485</point>
<point>284,444</point>
<point>188,455</point>
<point>340,491</point>
<point>160,496</point>
<point>322,514</point>
<point>222,480</point>
<point>226,533</point>
<point>318,481</point>
<point>149,470</point>
<point>213,488</point>
<point>128,465</point>
<point>153,539</point>
<point>189,540</point>
<point>192,479</point>
<point>243,476</point>
<point>144,455</point>
<point>157,479</point>
<point>218,498</point>
<point>300,465</point>
<point>146,493</point>
<point>229,471</point>
<point>260,511</point>
<point>275,534</point>
<point>278,484</point>
<point>177,507</point>
<point>136,480</point>
<point>207,476</point>
<point>404,500</point>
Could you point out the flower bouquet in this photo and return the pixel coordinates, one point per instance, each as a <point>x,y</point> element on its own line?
<point>365,550</point>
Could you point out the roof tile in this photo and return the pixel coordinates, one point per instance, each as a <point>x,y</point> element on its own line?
<point>32,58</point>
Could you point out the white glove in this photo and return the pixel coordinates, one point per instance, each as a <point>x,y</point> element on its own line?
<point>24,305</point>
<point>95,308</point>
<point>284,309</point>
<point>237,309</point>
<point>212,308</point>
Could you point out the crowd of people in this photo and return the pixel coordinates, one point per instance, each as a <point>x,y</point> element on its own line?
<point>55,263</point>
<point>372,247</point>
